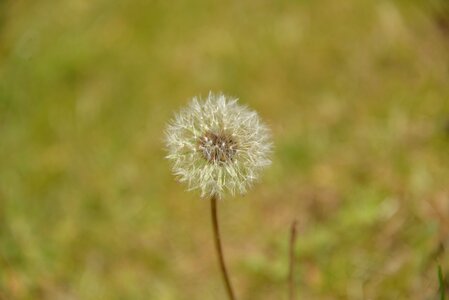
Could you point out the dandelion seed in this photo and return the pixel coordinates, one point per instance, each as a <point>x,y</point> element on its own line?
<point>217,146</point>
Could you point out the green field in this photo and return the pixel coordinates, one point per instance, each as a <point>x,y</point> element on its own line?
<point>356,94</point>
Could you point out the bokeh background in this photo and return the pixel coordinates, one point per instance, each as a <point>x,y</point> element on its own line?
<point>357,96</point>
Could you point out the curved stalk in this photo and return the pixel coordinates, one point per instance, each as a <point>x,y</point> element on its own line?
<point>219,249</point>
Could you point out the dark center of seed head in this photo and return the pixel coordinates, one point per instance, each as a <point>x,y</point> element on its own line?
<point>217,148</point>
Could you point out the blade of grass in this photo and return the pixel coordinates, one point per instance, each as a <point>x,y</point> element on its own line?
<point>291,278</point>
<point>441,283</point>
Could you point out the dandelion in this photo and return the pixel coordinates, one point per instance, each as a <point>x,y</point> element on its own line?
<point>218,147</point>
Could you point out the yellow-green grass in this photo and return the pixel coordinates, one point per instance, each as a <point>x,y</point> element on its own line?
<point>356,94</point>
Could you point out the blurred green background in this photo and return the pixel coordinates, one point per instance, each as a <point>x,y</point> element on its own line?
<point>357,96</point>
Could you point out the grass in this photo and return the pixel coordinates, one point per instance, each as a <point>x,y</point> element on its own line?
<point>441,284</point>
<point>356,94</point>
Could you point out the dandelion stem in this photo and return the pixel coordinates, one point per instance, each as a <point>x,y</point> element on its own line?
<point>291,278</point>
<point>219,249</point>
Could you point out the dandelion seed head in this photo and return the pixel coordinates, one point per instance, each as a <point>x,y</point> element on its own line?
<point>217,146</point>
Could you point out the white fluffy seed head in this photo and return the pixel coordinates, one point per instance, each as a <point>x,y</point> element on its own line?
<point>217,146</point>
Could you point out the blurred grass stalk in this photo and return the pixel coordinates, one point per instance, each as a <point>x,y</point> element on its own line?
<point>441,283</point>
<point>291,277</point>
